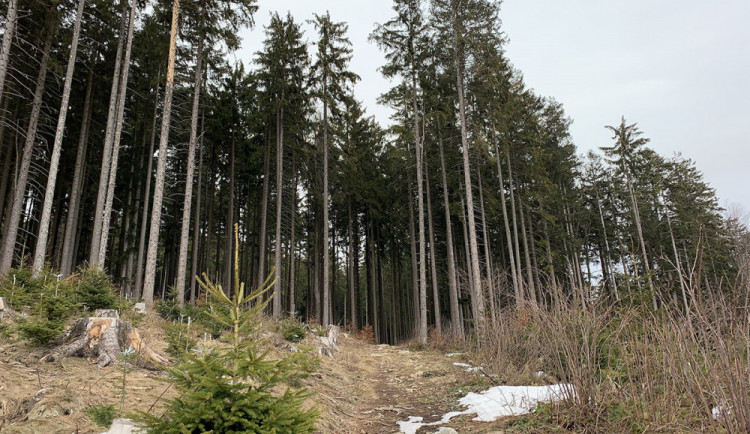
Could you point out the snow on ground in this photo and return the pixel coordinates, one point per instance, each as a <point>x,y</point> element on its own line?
<point>495,402</point>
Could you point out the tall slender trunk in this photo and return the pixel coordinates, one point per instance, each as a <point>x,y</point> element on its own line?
<point>146,197</point>
<point>153,240</point>
<point>351,260</point>
<point>514,272</point>
<point>8,157</point>
<point>487,254</point>
<point>326,258</point>
<point>11,225</point>
<point>420,217</point>
<point>414,259</point>
<point>605,263</point>
<point>96,232</point>
<point>433,263</point>
<point>477,295</point>
<point>292,231</point>
<point>279,202</point>
<point>188,199</point>
<point>40,252</point>
<point>641,241</point>
<point>526,251</point>
<point>106,217</point>
<point>677,261</point>
<point>517,252</point>
<point>196,226</point>
<point>71,222</point>
<point>10,27</point>
<point>230,221</point>
<point>263,218</point>
<point>456,323</point>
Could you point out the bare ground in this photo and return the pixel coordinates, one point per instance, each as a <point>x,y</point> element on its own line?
<point>365,388</point>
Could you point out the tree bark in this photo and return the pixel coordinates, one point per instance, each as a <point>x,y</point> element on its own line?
<point>477,294</point>
<point>511,256</point>
<point>456,324</point>
<point>279,202</point>
<point>263,218</point>
<point>517,252</point>
<point>188,199</point>
<point>40,252</point>
<point>146,197</point>
<point>11,225</point>
<point>71,222</point>
<point>433,263</point>
<point>326,258</point>
<point>196,226</point>
<point>153,241</point>
<point>292,247</point>
<point>10,27</point>
<point>96,233</point>
<point>106,217</point>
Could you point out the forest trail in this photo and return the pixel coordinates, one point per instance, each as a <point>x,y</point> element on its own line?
<point>364,388</point>
<point>369,388</point>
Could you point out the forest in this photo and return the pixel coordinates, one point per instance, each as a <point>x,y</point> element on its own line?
<point>132,141</point>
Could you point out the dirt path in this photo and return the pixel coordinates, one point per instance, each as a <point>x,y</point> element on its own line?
<point>365,388</point>
<point>379,385</point>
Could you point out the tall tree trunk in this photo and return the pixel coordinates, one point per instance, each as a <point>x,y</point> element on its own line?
<point>433,263</point>
<point>352,259</point>
<point>188,199</point>
<point>414,259</point>
<point>456,323</point>
<point>106,217</point>
<point>477,295</point>
<point>326,258</point>
<point>526,251</point>
<point>229,240</point>
<point>263,218</point>
<point>40,252</point>
<point>487,254</point>
<point>71,222</point>
<point>279,202</point>
<point>196,226</point>
<point>10,27</point>
<point>677,261</point>
<point>153,240</point>
<point>517,252</point>
<point>514,273</point>
<point>420,216</point>
<point>146,197</point>
<point>641,241</point>
<point>96,232</point>
<point>292,231</point>
<point>11,225</point>
<point>605,262</point>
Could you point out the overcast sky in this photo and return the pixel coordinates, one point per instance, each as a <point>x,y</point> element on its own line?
<point>680,69</point>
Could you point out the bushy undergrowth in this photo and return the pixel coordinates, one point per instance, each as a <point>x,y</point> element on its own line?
<point>49,301</point>
<point>204,314</point>
<point>234,389</point>
<point>293,330</point>
<point>631,368</point>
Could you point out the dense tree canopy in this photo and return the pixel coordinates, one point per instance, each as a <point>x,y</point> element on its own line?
<point>472,200</point>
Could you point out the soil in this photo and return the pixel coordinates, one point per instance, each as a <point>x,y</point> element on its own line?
<point>364,388</point>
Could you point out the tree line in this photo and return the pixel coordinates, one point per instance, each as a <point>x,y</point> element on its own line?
<point>130,142</point>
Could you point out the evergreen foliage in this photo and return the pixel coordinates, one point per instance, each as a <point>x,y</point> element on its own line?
<point>230,390</point>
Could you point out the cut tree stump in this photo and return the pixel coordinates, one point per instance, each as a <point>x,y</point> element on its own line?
<point>105,339</point>
<point>330,341</point>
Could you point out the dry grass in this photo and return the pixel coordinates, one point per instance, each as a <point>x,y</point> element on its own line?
<point>631,369</point>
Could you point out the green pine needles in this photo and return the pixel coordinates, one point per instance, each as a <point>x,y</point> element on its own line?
<point>232,389</point>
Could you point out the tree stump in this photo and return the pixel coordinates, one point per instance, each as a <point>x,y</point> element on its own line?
<point>330,341</point>
<point>105,339</point>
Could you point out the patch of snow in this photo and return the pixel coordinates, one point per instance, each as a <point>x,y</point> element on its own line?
<point>468,367</point>
<point>719,412</point>
<point>454,354</point>
<point>495,402</point>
